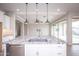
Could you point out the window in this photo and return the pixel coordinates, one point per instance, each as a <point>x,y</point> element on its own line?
<point>58,30</point>
<point>75,32</point>
<point>62,30</point>
<point>6,22</point>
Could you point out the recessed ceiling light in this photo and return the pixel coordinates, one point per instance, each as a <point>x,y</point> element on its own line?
<point>58,9</point>
<point>17,9</point>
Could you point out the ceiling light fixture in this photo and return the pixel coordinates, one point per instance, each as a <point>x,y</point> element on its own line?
<point>47,22</point>
<point>26,22</point>
<point>37,21</point>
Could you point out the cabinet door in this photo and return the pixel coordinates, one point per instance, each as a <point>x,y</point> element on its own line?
<point>0,36</point>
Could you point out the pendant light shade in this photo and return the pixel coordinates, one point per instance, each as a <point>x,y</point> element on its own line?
<point>47,22</point>
<point>26,22</point>
<point>37,21</point>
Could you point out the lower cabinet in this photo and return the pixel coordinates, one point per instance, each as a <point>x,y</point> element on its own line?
<point>36,50</point>
<point>15,50</point>
<point>45,50</point>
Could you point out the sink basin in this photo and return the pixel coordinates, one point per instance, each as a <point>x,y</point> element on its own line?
<point>37,40</point>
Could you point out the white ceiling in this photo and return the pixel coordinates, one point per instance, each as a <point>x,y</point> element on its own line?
<point>53,14</point>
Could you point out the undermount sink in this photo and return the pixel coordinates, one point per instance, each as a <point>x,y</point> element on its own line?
<point>37,40</point>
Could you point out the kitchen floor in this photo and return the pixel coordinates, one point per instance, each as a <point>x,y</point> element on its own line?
<point>73,50</point>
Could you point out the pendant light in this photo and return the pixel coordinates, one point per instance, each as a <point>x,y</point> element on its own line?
<point>26,22</point>
<point>37,21</point>
<point>47,22</point>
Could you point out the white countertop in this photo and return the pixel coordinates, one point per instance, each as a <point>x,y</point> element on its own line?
<point>21,40</point>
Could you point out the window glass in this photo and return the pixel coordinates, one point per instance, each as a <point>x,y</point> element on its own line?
<point>59,30</point>
<point>75,32</point>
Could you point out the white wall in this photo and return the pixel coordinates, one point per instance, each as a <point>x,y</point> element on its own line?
<point>32,29</point>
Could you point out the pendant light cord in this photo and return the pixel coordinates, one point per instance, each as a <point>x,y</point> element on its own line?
<point>47,11</point>
<point>36,11</point>
<point>26,10</point>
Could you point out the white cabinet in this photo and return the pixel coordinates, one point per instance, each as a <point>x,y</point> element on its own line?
<point>45,50</point>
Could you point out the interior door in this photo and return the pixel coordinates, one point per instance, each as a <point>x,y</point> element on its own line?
<point>0,36</point>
